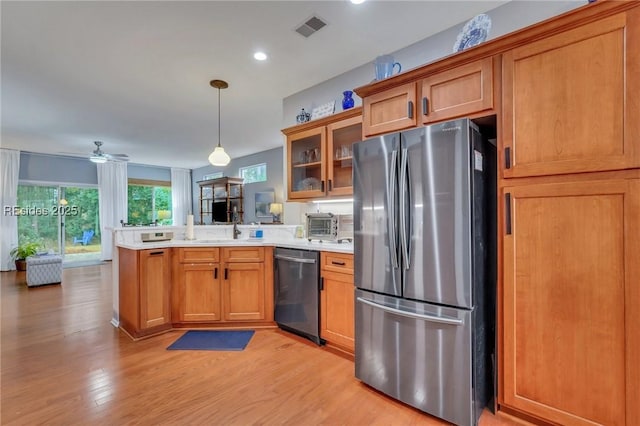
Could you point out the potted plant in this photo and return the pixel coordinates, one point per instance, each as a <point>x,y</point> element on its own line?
<point>20,253</point>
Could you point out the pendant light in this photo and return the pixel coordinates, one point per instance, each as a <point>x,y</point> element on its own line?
<point>218,157</point>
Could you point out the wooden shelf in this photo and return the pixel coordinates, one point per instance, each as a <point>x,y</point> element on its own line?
<point>314,164</point>
<point>222,211</point>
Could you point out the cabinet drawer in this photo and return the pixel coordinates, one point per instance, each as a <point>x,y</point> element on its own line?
<point>337,262</point>
<point>199,255</point>
<point>243,254</point>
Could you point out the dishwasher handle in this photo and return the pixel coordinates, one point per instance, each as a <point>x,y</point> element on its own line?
<point>294,259</point>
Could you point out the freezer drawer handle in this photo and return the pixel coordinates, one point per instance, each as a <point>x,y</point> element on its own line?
<point>294,259</point>
<point>443,320</point>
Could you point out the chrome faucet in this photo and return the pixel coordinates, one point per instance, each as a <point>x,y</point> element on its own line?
<point>236,231</point>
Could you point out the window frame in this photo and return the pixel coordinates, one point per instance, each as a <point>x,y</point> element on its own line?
<point>241,171</point>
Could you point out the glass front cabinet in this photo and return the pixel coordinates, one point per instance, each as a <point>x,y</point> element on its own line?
<point>319,162</point>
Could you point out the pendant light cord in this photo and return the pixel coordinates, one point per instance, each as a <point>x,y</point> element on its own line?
<point>218,116</point>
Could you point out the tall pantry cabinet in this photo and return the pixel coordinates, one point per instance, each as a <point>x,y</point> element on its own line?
<point>570,217</point>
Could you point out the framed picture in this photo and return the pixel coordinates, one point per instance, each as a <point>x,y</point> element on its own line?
<point>323,110</point>
<point>263,200</point>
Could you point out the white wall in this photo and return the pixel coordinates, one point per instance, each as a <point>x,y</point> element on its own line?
<point>505,19</point>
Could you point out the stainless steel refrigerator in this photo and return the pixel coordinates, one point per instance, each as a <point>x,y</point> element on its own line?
<point>425,267</point>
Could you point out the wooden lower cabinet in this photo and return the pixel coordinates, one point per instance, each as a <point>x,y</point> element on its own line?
<point>337,300</point>
<point>199,292</point>
<point>218,285</point>
<point>243,291</point>
<point>144,291</point>
<point>571,310</point>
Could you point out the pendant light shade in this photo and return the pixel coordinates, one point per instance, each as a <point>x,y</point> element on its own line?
<point>218,157</point>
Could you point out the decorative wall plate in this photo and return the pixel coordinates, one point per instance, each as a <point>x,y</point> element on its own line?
<point>323,110</point>
<point>473,33</point>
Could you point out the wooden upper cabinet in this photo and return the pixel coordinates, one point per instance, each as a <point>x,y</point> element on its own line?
<point>319,163</point>
<point>571,100</point>
<point>572,301</point>
<point>389,111</point>
<point>306,171</point>
<point>341,135</point>
<point>457,92</point>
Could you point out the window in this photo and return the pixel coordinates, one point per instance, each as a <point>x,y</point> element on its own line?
<point>215,175</point>
<point>149,201</point>
<point>255,173</point>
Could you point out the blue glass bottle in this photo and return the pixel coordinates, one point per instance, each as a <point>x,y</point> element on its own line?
<point>347,101</point>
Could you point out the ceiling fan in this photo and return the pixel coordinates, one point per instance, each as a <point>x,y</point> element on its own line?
<point>99,156</point>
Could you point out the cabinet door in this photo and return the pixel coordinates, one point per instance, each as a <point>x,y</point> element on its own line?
<point>337,309</point>
<point>155,281</point>
<point>572,301</point>
<point>461,91</point>
<point>388,111</point>
<point>571,100</point>
<point>244,292</point>
<point>340,137</point>
<point>200,296</point>
<point>306,172</point>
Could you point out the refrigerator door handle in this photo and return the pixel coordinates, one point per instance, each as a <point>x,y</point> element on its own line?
<point>392,216</point>
<point>431,318</point>
<point>404,188</point>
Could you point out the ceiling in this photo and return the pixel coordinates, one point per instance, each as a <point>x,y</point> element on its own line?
<point>135,74</point>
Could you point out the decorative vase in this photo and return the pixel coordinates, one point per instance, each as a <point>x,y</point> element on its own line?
<point>347,101</point>
<point>303,116</point>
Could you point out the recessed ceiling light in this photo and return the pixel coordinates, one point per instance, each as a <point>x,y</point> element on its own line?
<point>357,1</point>
<point>260,56</point>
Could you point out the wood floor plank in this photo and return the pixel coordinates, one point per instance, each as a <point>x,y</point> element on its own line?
<point>63,363</point>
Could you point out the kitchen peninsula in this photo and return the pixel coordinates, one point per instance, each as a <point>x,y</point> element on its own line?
<point>211,281</point>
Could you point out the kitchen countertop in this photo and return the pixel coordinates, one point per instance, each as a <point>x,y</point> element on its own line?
<point>298,243</point>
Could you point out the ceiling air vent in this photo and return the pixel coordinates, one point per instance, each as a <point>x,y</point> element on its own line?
<point>312,25</point>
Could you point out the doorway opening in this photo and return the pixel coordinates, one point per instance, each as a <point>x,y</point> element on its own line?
<point>62,219</point>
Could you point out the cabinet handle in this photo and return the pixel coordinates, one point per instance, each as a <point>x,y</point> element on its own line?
<point>215,273</point>
<point>322,186</point>
<point>507,157</point>
<point>335,262</point>
<point>226,273</point>
<point>330,185</point>
<point>425,106</point>
<point>321,283</point>
<point>507,213</point>
<point>154,253</point>
<point>410,109</point>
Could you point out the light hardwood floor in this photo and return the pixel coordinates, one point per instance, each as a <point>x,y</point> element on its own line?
<point>63,363</point>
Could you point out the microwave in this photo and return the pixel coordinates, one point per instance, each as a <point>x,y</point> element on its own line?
<point>329,227</point>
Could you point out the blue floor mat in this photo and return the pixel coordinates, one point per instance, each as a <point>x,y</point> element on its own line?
<point>213,340</point>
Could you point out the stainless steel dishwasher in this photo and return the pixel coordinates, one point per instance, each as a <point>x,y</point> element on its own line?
<point>297,292</point>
